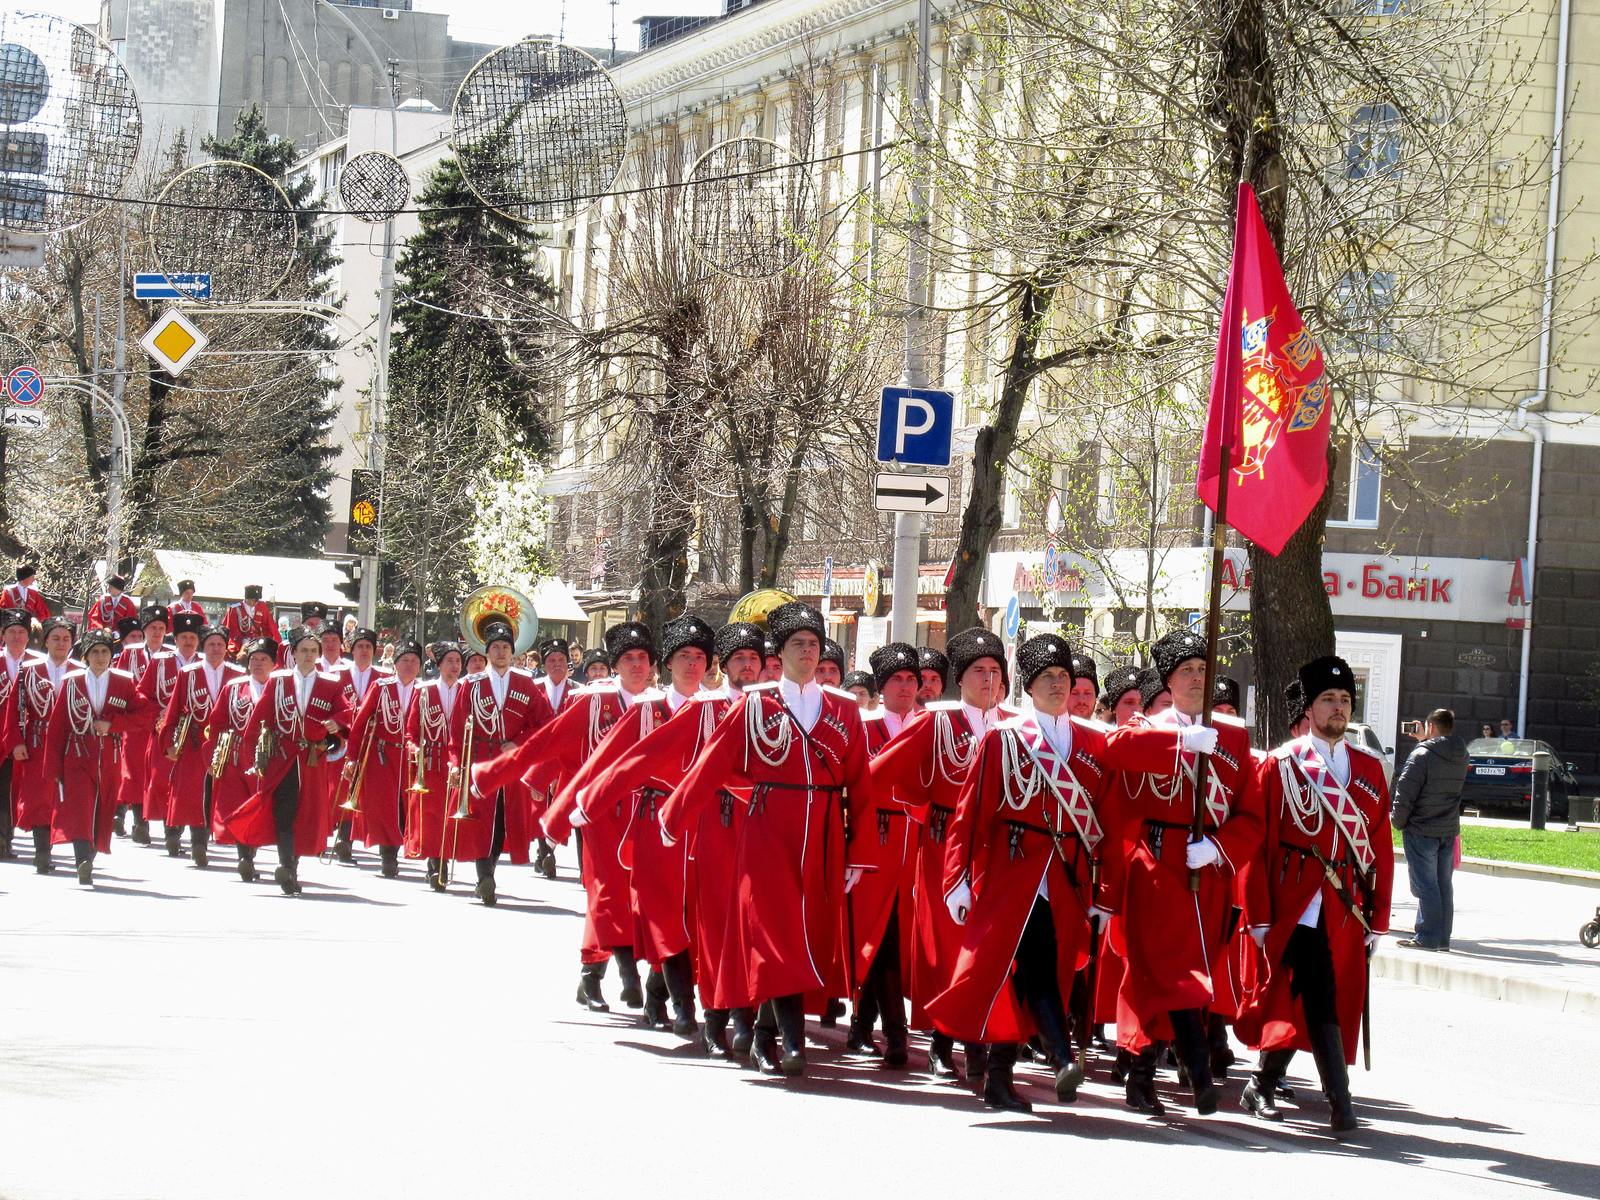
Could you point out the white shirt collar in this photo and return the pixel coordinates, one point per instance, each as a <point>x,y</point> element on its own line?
<point>98,686</point>
<point>676,699</point>
<point>981,719</point>
<point>1336,756</point>
<point>556,691</point>
<point>804,700</point>
<point>1057,731</point>
<point>894,722</point>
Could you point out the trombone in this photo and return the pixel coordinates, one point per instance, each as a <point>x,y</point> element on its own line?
<point>418,771</point>
<point>351,779</point>
<point>457,795</point>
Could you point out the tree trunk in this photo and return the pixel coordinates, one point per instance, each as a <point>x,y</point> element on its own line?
<point>1291,621</point>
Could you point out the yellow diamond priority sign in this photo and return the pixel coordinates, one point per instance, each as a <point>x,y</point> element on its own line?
<point>173,342</point>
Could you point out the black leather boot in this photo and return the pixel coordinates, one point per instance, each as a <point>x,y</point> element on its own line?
<point>859,1039</point>
<point>43,862</point>
<point>998,1089</point>
<point>831,1012</point>
<point>744,1030</point>
<point>544,859</point>
<point>485,889</point>
<point>198,847</point>
<point>714,1033</point>
<point>1052,1024</point>
<point>120,828</point>
<point>975,1057</point>
<point>942,1056</point>
<point>680,989</point>
<point>628,972</point>
<point>6,852</point>
<point>1140,1091</point>
<point>83,852</point>
<point>1222,1055</point>
<point>791,1014</point>
<point>654,1015</point>
<point>1194,1052</point>
<point>436,874</point>
<point>247,863</point>
<point>764,1051</point>
<point>141,829</point>
<point>589,994</point>
<point>1327,1047</point>
<point>389,856</point>
<point>174,841</point>
<point>1120,1065</point>
<point>342,849</point>
<point>1260,1090</point>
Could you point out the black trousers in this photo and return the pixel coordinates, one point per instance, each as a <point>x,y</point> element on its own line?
<point>883,990</point>
<point>1037,987</point>
<point>1310,963</point>
<point>497,839</point>
<point>7,810</point>
<point>785,1016</point>
<point>285,808</point>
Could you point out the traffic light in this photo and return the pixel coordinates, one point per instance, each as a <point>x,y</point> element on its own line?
<point>365,509</point>
<point>350,589</point>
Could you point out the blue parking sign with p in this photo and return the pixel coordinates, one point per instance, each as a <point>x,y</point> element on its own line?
<point>915,426</point>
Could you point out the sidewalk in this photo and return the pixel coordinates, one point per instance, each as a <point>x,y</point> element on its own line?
<point>1514,939</point>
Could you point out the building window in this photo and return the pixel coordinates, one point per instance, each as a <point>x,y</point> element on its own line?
<point>1356,503</point>
<point>1364,299</point>
<point>1011,506</point>
<point>1106,491</point>
<point>1375,142</point>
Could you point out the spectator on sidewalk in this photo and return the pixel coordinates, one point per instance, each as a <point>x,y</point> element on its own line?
<point>1427,811</point>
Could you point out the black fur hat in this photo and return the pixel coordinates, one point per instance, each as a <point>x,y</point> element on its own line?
<point>890,658</point>
<point>210,631</point>
<point>1041,652</point>
<point>929,659</point>
<point>408,646</point>
<point>1083,668</point>
<point>156,612</point>
<point>968,646</point>
<point>547,647</point>
<point>97,637</point>
<point>1118,684</point>
<point>1176,648</point>
<point>684,632</point>
<point>1321,674</point>
<point>261,646</point>
<point>832,652</point>
<point>125,626</point>
<point>1225,690</point>
<point>363,634</point>
<point>741,635</point>
<point>591,657</point>
<point>1294,699</point>
<point>1151,685</point>
<point>861,679</point>
<point>630,635</point>
<point>493,631</point>
<point>188,623</point>
<point>789,619</point>
<point>15,616</point>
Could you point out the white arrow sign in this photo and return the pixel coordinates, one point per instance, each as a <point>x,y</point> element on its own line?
<point>913,493</point>
<point>23,418</point>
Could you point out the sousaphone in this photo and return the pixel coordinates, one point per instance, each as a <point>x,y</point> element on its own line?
<point>755,607</point>
<point>496,604</point>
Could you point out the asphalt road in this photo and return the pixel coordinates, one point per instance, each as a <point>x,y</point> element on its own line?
<point>177,1033</point>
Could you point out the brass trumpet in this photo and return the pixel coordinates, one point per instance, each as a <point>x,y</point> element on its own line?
<point>459,789</point>
<point>266,745</point>
<point>180,736</point>
<point>219,756</point>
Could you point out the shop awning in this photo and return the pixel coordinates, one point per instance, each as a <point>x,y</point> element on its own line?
<point>554,601</point>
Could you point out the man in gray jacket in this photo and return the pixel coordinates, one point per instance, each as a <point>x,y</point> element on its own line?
<point>1427,811</point>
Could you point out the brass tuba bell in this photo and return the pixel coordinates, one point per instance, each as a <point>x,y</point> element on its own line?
<point>755,607</point>
<point>498,604</point>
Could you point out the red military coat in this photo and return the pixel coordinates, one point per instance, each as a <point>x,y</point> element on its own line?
<point>543,781</point>
<point>245,621</point>
<point>611,813</point>
<point>85,765</point>
<point>33,785</point>
<point>10,734</point>
<point>1313,823</point>
<point>28,599</point>
<point>187,607</point>
<point>1027,816</point>
<point>105,612</point>
<point>495,726</point>
<point>186,783</point>
<point>378,748</point>
<point>920,773</point>
<point>135,746</point>
<point>682,892</point>
<point>297,744</point>
<point>1171,939</point>
<point>783,935</point>
<point>429,733</point>
<point>156,685</point>
<point>229,719</point>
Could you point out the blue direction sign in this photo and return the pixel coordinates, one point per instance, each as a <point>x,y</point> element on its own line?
<point>153,285</point>
<point>24,387</point>
<point>1013,617</point>
<point>915,426</point>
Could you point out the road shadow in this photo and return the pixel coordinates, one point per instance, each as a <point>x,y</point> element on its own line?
<point>110,889</point>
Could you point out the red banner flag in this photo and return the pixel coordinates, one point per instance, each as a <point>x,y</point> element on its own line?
<point>1269,411</point>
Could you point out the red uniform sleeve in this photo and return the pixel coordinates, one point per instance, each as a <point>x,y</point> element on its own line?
<point>1255,889</point>
<point>1240,836</point>
<point>38,607</point>
<point>721,765</point>
<point>169,716</point>
<point>561,739</point>
<point>897,769</point>
<point>965,839</point>
<point>55,735</point>
<point>1383,856</point>
<point>650,761</point>
<point>138,715</point>
<point>619,739</point>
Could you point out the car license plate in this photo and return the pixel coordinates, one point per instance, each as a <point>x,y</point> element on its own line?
<point>1491,770</point>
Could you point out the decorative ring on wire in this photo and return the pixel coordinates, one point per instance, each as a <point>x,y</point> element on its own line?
<point>69,123</point>
<point>539,130</point>
<point>749,207</point>
<point>228,220</point>
<point>373,187</point>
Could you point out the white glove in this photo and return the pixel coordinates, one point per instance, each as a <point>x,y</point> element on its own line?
<point>1098,916</point>
<point>1372,941</point>
<point>1198,739</point>
<point>1202,853</point>
<point>852,876</point>
<point>1258,935</point>
<point>578,820</point>
<point>959,902</point>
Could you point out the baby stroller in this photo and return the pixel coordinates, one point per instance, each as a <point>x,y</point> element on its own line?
<point>1589,935</point>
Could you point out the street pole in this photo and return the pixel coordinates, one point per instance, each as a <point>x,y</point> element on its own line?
<point>119,374</point>
<point>908,526</point>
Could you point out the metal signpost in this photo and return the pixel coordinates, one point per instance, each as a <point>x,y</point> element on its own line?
<point>153,285</point>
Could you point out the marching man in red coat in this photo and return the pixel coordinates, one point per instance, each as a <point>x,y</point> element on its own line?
<point>93,708</point>
<point>1023,874</point>
<point>28,722</point>
<point>495,713</point>
<point>555,656</point>
<point>105,612</point>
<point>248,619</point>
<point>379,763</point>
<point>186,603</point>
<point>183,733</point>
<point>298,728</point>
<point>15,626</point>
<point>360,675</point>
<point>135,660</point>
<point>156,685</point>
<point>428,730</point>
<point>1169,934</point>
<point>614,799</point>
<point>1316,897</point>
<point>801,752</point>
<point>24,596</point>
<point>233,756</point>
<point>898,898</point>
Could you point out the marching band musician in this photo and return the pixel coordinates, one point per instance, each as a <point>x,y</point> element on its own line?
<point>555,656</point>
<point>15,626</point>
<point>1169,930</point>
<point>595,666</point>
<point>801,752</point>
<point>22,595</point>
<point>186,603</point>
<point>332,659</point>
<point>231,754</point>
<point>135,660</point>
<point>93,708</point>
<point>313,613</point>
<point>382,764</point>
<point>298,727</point>
<point>1121,702</point>
<point>1021,873</point>
<point>497,706</point>
<point>617,809</point>
<point>900,915</point>
<point>157,684</point>
<point>105,612</point>
<point>1316,897</point>
<point>358,674</point>
<point>553,755</point>
<point>248,620</point>
<point>129,637</point>
<point>771,662</point>
<point>183,737</point>
<point>33,787</point>
<point>428,730</point>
